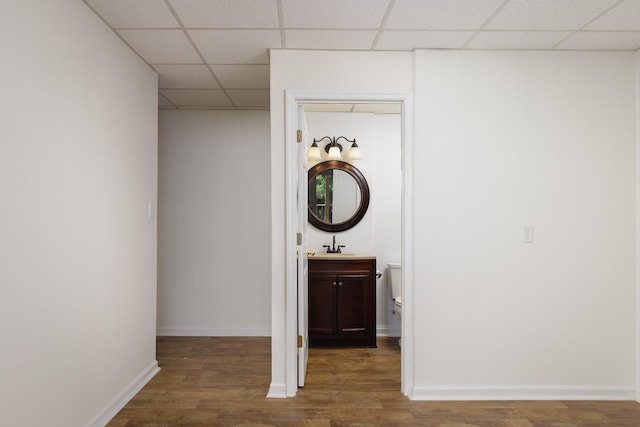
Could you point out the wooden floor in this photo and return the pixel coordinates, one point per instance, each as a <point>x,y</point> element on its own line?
<point>224,381</point>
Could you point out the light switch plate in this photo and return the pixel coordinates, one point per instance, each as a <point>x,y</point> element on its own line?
<point>527,234</point>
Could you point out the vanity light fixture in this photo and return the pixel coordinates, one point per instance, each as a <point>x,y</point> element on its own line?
<point>334,149</point>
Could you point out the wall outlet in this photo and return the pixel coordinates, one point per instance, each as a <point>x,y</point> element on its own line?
<point>527,234</point>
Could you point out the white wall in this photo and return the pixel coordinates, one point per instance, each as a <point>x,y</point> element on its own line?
<point>358,239</point>
<point>379,139</point>
<point>504,140</point>
<point>77,250</point>
<point>214,226</point>
<point>387,214</point>
<point>379,72</point>
<point>637,226</point>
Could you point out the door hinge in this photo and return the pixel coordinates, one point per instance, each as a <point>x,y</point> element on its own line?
<point>299,135</point>
<point>299,238</point>
<point>299,341</point>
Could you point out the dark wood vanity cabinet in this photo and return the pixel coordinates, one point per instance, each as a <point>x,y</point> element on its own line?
<point>342,302</point>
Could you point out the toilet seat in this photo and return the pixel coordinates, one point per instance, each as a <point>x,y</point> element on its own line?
<point>397,303</point>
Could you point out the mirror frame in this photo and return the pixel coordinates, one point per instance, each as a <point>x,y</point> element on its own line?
<point>364,193</point>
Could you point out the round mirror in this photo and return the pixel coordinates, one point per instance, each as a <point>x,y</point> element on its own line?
<point>338,196</point>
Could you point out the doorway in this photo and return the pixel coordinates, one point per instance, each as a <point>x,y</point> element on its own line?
<point>294,99</point>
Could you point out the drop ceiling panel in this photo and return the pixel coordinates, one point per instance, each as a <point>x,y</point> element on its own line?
<point>408,40</point>
<point>548,14</point>
<point>194,76</point>
<point>197,98</point>
<point>250,98</point>
<point>135,13</point>
<point>227,13</point>
<point>330,39</point>
<point>625,16</point>
<point>440,14</point>
<point>161,46</point>
<point>517,39</point>
<point>209,51</point>
<point>242,76</point>
<point>602,40</point>
<point>236,46</point>
<point>333,14</point>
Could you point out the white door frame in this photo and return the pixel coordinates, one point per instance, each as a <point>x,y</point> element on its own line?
<point>293,98</point>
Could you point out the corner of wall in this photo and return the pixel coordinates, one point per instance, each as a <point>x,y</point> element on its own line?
<point>125,395</point>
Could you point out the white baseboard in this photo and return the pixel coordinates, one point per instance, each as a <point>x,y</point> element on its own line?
<point>523,393</point>
<point>637,395</point>
<point>192,332</point>
<point>277,391</point>
<point>125,396</point>
<point>381,331</point>
<point>386,331</point>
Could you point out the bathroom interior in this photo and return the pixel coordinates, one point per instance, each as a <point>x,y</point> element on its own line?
<point>362,230</point>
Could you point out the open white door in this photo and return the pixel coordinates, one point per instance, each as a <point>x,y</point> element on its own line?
<point>303,276</point>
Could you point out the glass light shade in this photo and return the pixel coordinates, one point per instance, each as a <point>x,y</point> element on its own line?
<point>314,152</point>
<point>354,152</point>
<point>334,153</point>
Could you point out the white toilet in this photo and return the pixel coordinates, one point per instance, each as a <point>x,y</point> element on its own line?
<point>395,277</point>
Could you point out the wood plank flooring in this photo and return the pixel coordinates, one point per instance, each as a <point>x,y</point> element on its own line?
<point>223,382</point>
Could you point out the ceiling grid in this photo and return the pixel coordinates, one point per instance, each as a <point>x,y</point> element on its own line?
<point>213,54</point>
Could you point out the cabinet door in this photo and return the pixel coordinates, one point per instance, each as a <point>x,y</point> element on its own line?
<point>322,304</point>
<point>353,303</point>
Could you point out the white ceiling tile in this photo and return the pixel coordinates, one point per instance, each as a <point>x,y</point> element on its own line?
<point>625,16</point>
<point>182,76</point>
<point>227,13</point>
<point>516,39</point>
<point>334,14</point>
<point>614,40</point>
<point>161,46</point>
<point>547,14</point>
<point>330,39</point>
<point>134,13</point>
<point>408,40</point>
<point>197,98</point>
<point>250,98</point>
<point>242,76</point>
<point>236,46</point>
<point>440,14</point>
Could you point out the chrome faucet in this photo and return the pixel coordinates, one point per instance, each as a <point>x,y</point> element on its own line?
<point>334,249</point>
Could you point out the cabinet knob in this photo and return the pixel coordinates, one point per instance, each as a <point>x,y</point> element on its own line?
<point>334,283</point>
<point>339,283</point>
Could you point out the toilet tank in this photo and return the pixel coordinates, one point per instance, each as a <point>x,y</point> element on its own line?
<point>395,277</point>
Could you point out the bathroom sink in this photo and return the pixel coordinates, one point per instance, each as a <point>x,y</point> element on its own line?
<point>324,255</point>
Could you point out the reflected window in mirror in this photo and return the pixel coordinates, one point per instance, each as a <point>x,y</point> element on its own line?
<point>338,196</point>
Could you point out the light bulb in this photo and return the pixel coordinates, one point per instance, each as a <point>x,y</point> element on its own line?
<point>354,152</point>
<point>334,153</point>
<point>314,152</point>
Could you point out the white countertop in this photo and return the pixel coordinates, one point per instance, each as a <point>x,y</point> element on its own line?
<point>324,255</point>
